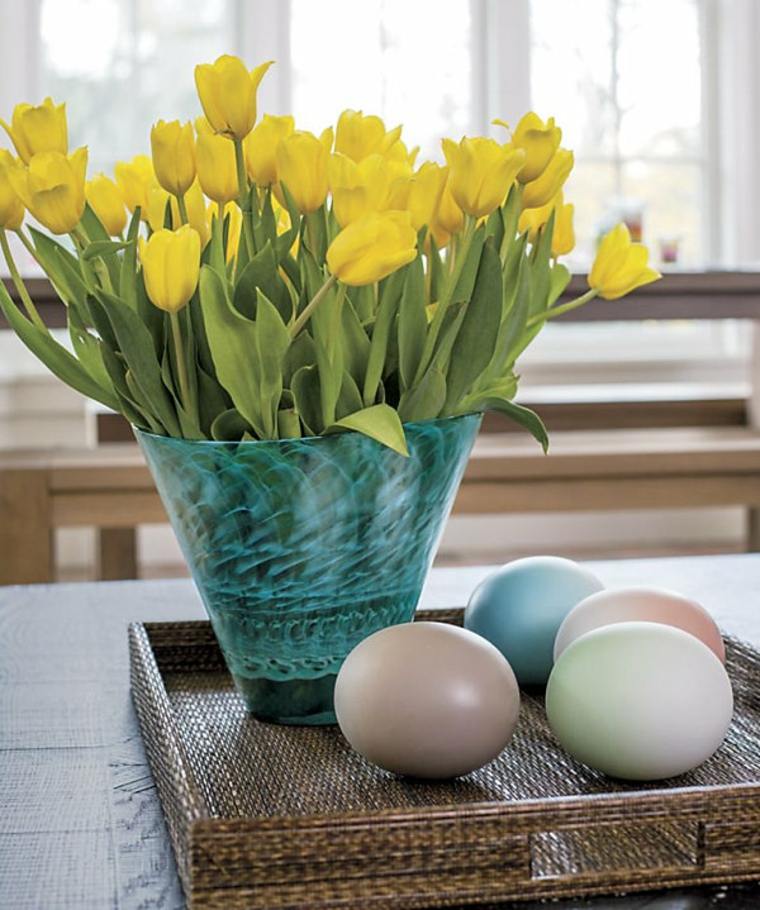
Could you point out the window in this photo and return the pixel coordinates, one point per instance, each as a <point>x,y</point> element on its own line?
<point>629,99</point>
<point>633,83</point>
<point>130,66</point>
<point>408,62</point>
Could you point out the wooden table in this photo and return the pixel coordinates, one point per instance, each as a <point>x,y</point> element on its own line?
<point>80,822</point>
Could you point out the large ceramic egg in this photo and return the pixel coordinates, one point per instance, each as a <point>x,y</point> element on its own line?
<point>636,605</point>
<point>426,700</point>
<point>639,700</point>
<point>520,607</point>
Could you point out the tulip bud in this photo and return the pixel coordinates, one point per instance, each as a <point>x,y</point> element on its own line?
<point>563,238</point>
<point>136,179</point>
<point>425,194</point>
<point>260,148</point>
<point>538,192</point>
<point>538,140</point>
<point>482,171</point>
<point>11,207</point>
<point>52,188</point>
<point>171,265</point>
<point>358,136</point>
<point>449,218</point>
<point>302,167</point>
<point>372,247</point>
<point>107,202</point>
<point>154,211</point>
<point>38,129</point>
<point>620,266</point>
<point>227,92</point>
<point>235,216</point>
<point>215,160</point>
<point>173,147</point>
<point>563,235</point>
<point>197,216</point>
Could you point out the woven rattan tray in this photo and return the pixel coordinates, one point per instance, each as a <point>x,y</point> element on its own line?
<point>263,816</point>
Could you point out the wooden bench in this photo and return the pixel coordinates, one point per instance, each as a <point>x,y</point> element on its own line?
<point>111,488</point>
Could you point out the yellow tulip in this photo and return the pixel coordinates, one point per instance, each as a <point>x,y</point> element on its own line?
<point>369,249</point>
<point>215,160</point>
<point>425,192</point>
<point>154,211</point>
<point>538,140</point>
<point>173,147</point>
<point>449,218</point>
<point>372,185</point>
<point>52,188</point>
<point>40,128</point>
<point>231,211</point>
<point>538,192</point>
<point>260,148</point>
<point>227,91</point>
<point>358,136</point>
<point>107,202</point>
<point>620,266</point>
<point>11,207</point>
<point>136,179</point>
<point>482,172</point>
<point>563,238</point>
<point>171,265</point>
<point>327,138</point>
<point>302,167</point>
<point>197,218</point>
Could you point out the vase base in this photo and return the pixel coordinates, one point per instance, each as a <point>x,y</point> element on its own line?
<point>295,702</point>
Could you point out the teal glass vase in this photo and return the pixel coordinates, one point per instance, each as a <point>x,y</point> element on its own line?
<point>300,548</point>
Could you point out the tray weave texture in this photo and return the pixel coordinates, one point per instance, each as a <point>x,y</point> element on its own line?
<point>264,816</point>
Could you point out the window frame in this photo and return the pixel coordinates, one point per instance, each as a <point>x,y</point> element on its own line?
<point>501,54</point>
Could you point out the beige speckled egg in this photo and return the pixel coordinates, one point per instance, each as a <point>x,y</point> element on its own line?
<point>427,700</point>
<point>639,604</point>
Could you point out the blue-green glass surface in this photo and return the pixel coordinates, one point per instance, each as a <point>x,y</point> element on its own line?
<point>300,548</point>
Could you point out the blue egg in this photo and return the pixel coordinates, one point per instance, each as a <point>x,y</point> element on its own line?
<point>521,606</point>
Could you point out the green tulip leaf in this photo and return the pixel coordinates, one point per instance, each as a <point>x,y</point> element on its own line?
<point>412,323</point>
<point>102,248</point>
<point>425,400</point>
<point>476,340</point>
<point>136,346</point>
<point>232,341</point>
<point>230,426</point>
<point>380,422</point>
<point>350,398</point>
<point>55,357</point>
<point>307,398</point>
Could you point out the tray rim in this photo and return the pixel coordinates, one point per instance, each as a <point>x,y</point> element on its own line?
<point>713,808</point>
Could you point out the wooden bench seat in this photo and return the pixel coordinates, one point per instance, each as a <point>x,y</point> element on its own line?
<point>111,488</point>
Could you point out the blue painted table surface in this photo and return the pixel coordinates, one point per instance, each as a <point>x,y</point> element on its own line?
<point>80,820</point>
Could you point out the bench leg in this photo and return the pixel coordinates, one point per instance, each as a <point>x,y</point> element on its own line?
<point>117,554</point>
<point>753,530</point>
<point>26,533</point>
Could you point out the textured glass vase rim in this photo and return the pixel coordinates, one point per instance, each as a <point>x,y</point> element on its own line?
<point>313,440</point>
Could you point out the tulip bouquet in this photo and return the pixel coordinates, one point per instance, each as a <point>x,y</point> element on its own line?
<point>271,283</point>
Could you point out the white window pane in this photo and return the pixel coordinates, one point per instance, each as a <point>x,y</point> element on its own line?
<point>122,64</point>
<point>407,62</point>
<point>624,82</point>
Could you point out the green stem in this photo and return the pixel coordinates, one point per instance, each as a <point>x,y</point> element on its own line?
<point>448,292</point>
<point>179,356</point>
<point>242,177</point>
<point>28,244</point>
<point>564,308</point>
<point>18,283</point>
<point>182,209</point>
<point>311,306</point>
